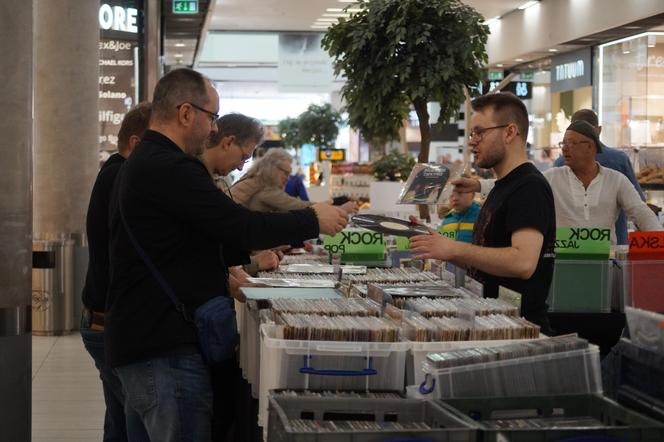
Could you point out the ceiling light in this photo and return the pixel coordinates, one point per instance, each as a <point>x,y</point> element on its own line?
<point>178,55</point>
<point>335,14</point>
<point>347,1</point>
<point>553,50</point>
<point>529,4</point>
<point>499,65</point>
<point>518,59</point>
<point>353,9</point>
<point>490,21</point>
<point>327,20</point>
<point>180,45</point>
<point>632,27</point>
<point>334,10</point>
<point>319,27</point>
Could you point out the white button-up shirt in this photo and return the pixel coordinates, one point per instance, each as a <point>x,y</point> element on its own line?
<point>597,206</point>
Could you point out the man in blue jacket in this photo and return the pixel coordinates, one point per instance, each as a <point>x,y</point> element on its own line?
<point>458,223</point>
<point>613,159</point>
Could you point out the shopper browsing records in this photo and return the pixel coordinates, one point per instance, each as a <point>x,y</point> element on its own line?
<point>165,199</point>
<point>610,158</point>
<point>116,426</point>
<point>514,234</point>
<point>262,187</point>
<point>461,219</point>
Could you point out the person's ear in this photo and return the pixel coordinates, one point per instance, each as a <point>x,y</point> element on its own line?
<point>599,130</point>
<point>185,114</point>
<point>227,142</point>
<point>511,133</point>
<point>133,142</point>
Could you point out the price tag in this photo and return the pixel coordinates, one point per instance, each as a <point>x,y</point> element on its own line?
<point>583,243</point>
<point>355,241</point>
<point>648,245</point>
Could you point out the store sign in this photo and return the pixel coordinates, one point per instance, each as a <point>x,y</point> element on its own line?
<point>496,75</point>
<point>117,18</point>
<point>185,6</point>
<point>646,243</point>
<point>571,71</point>
<point>332,155</point>
<point>355,242</point>
<point>584,242</point>
<point>522,89</point>
<point>303,65</point>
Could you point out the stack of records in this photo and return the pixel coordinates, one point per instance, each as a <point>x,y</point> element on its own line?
<point>337,328</point>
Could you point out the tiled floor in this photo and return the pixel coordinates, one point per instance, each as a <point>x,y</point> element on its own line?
<point>67,399</point>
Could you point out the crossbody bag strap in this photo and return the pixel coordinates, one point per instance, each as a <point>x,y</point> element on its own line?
<point>153,269</point>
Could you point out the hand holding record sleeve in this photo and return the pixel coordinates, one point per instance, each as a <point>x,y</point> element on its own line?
<point>390,226</point>
<point>432,246</point>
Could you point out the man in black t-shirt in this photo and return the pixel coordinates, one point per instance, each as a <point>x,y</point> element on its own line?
<point>133,126</point>
<point>514,235</point>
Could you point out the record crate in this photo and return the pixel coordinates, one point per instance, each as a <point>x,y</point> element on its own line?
<point>556,418</point>
<point>329,419</point>
<point>581,286</point>
<point>634,376</point>
<point>328,365</point>
<point>566,372</point>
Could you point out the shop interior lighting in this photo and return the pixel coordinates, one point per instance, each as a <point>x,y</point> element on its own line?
<point>652,41</point>
<point>335,14</point>
<point>529,4</point>
<point>334,10</point>
<point>325,19</point>
<point>553,50</point>
<point>180,45</point>
<point>178,55</point>
<point>499,65</point>
<point>518,59</point>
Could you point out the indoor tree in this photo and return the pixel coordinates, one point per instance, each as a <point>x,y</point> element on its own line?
<point>396,54</point>
<point>319,125</point>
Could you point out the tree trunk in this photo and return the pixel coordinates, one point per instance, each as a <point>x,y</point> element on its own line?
<point>425,134</point>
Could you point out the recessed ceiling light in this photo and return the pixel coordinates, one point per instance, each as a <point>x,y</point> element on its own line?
<point>178,55</point>
<point>335,14</point>
<point>499,65</point>
<point>354,9</point>
<point>180,45</point>
<point>632,27</point>
<point>553,50</point>
<point>334,10</point>
<point>327,19</point>
<point>529,4</point>
<point>518,59</point>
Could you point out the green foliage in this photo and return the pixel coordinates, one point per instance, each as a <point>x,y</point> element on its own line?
<point>394,166</point>
<point>395,53</point>
<point>318,125</point>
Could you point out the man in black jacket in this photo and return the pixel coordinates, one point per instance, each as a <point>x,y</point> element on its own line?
<point>133,126</point>
<point>180,219</point>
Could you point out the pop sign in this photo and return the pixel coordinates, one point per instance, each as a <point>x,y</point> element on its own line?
<point>355,241</point>
<point>583,243</point>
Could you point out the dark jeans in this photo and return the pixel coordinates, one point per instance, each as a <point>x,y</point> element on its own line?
<point>172,395</point>
<point>116,424</point>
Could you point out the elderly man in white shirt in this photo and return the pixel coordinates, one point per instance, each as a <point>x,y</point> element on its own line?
<point>585,193</point>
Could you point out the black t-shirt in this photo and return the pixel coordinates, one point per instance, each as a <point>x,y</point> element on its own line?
<point>521,199</point>
<point>96,280</point>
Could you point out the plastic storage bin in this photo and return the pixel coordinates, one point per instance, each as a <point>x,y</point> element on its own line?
<point>643,284</point>
<point>646,329</point>
<point>581,286</point>
<point>419,351</point>
<point>614,423</point>
<point>570,372</point>
<point>446,425</point>
<point>634,376</point>
<point>328,365</point>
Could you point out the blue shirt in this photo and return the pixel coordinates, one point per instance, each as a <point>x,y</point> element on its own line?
<point>617,160</point>
<point>295,187</point>
<point>461,223</point>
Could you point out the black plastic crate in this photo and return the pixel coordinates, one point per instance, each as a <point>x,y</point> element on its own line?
<point>634,376</point>
<point>446,426</point>
<point>594,416</point>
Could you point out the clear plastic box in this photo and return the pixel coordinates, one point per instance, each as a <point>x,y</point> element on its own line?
<point>328,365</point>
<point>646,329</point>
<point>644,284</point>
<point>446,425</point>
<point>570,372</point>
<point>581,286</point>
<point>419,351</point>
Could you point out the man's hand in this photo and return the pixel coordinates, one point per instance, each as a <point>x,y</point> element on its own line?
<point>433,246</point>
<point>466,185</point>
<point>331,219</point>
<point>350,207</point>
<point>267,260</point>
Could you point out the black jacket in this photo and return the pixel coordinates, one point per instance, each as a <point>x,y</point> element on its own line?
<point>180,219</point>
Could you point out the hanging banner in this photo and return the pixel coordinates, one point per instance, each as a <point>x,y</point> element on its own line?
<point>303,65</point>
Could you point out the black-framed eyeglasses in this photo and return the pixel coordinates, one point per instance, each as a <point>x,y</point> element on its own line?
<point>571,143</point>
<point>478,134</point>
<point>211,115</point>
<point>245,156</point>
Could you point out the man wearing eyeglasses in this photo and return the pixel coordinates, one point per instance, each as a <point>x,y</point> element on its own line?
<point>513,237</point>
<point>164,198</point>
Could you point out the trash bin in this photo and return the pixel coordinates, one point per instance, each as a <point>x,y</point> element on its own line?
<point>52,287</point>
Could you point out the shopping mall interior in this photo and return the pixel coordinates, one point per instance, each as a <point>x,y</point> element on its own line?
<point>350,335</point>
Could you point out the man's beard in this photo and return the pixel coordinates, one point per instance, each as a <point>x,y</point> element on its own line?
<point>493,156</point>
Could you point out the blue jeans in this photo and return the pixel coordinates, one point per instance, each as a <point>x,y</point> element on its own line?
<point>172,395</point>
<point>117,426</point>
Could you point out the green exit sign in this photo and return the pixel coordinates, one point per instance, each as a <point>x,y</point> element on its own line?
<point>185,6</point>
<point>496,75</point>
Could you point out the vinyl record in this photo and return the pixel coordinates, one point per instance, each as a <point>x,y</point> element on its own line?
<point>390,226</point>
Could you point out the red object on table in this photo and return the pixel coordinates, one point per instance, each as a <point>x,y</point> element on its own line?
<point>646,270</point>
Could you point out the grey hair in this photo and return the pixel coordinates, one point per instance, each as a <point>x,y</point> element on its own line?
<point>266,169</point>
<point>177,87</point>
<point>245,130</point>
